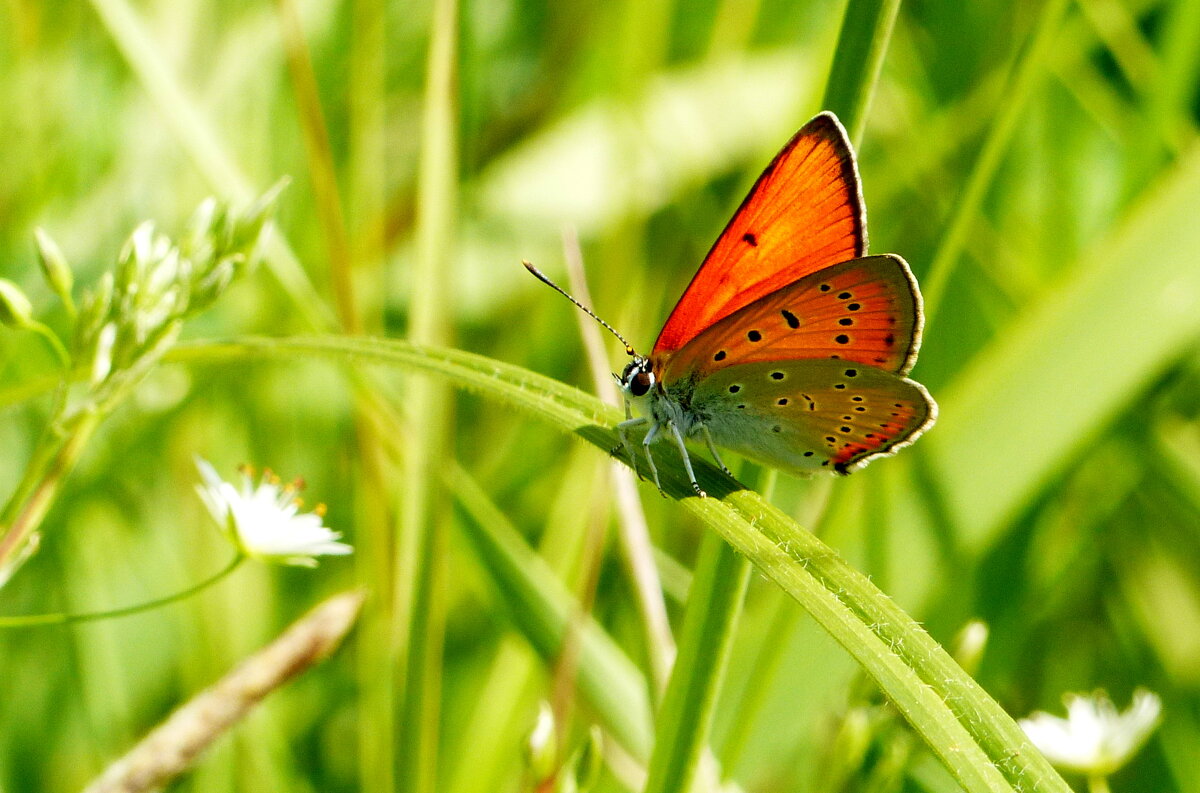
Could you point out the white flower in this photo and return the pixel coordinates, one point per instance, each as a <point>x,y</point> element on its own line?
<point>1094,739</point>
<point>264,520</point>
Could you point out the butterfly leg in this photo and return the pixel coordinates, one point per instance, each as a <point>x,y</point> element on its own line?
<point>712,447</point>
<point>687,461</point>
<point>623,432</point>
<point>650,436</point>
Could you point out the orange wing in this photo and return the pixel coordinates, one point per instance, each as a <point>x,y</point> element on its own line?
<point>803,214</point>
<point>865,311</point>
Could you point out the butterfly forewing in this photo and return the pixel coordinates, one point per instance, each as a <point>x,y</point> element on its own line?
<point>863,311</point>
<point>805,415</point>
<point>803,214</point>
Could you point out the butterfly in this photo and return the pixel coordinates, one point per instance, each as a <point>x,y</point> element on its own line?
<point>790,346</point>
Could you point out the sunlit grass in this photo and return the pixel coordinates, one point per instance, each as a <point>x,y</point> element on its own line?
<point>1035,163</point>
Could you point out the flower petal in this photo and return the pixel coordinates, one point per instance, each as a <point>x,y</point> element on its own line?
<point>265,521</point>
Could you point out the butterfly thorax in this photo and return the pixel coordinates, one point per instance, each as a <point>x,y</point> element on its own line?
<point>649,396</point>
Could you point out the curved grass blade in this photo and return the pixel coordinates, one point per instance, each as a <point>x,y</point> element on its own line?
<point>972,735</point>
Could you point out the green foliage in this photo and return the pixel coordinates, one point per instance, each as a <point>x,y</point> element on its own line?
<point>1037,164</point>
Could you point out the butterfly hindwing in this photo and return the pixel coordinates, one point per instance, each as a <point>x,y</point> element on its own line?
<point>803,214</point>
<point>864,311</point>
<point>806,415</point>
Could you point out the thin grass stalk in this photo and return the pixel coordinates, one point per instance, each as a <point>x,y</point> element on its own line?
<point>685,718</point>
<point>377,737</point>
<point>492,721</point>
<point>566,665</point>
<point>713,607</point>
<point>633,534</point>
<point>1030,67</point>
<point>52,461</point>
<point>504,713</point>
<point>862,44</point>
<point>1168,104</point>
<point>368,163</point>
<point>321,169</point>
<point>377,729</point>
<point>1117,29</point>
<point>420,566</point>
<point>542,609</point>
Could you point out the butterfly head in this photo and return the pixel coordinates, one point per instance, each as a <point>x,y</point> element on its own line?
<point>638,378</point>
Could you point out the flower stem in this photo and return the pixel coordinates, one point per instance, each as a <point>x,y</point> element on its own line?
<point>1098,784</point>
<point>27,621</point>
<point>54,343</point>
<point>51,462</point>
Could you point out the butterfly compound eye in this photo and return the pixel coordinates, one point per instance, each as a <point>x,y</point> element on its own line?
<point>640,384</point>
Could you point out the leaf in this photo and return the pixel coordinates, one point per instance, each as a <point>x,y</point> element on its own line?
<point>972,735</point>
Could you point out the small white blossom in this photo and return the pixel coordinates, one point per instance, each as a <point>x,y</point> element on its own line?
<point>103,357</point>
<point>542,746</point>
<point>1095,738</point>
<point>265,521</point>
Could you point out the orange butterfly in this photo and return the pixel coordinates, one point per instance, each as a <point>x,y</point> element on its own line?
<point>789,346</point>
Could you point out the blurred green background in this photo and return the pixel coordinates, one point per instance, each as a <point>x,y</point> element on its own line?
<point>1036,163</point>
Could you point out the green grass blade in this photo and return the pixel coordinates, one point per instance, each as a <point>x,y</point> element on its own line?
<point>862,43</point>
<point>420,570</point>
<point>685,718</point>
<point>542,608</point>
<point>972,735</point>
<point>1044,388</point>
<point>1030,68</point>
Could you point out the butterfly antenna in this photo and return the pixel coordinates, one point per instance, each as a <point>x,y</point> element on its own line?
<point>545,280</point>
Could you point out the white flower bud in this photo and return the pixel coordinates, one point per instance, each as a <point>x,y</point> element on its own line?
<point>15,309</point>
<point>54,265</point>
